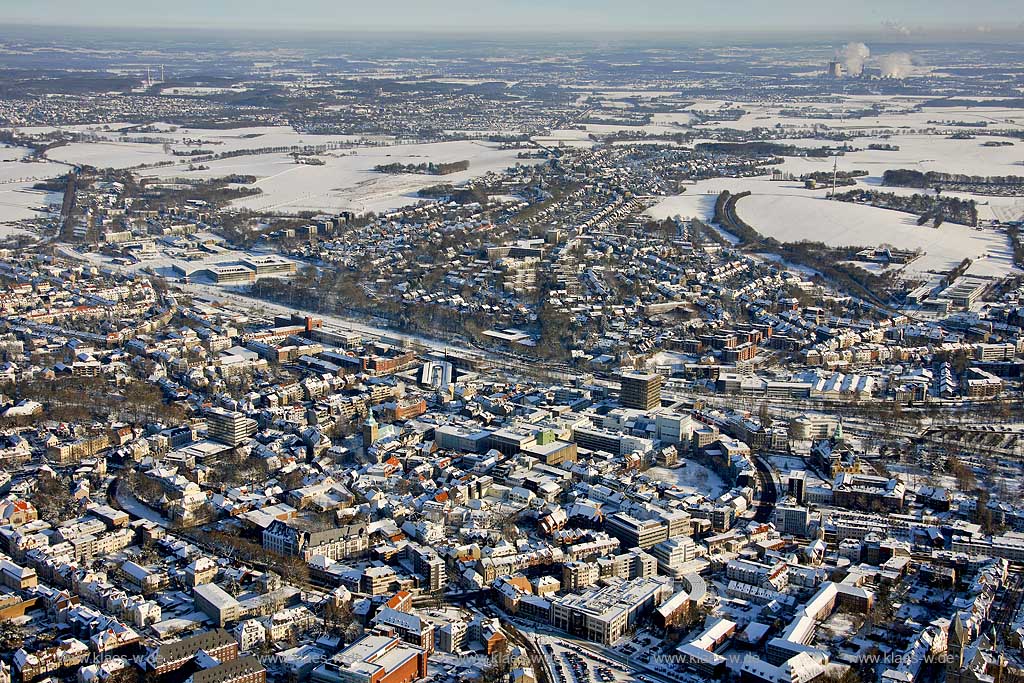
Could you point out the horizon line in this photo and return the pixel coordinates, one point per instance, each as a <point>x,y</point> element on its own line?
<point>944,30</point>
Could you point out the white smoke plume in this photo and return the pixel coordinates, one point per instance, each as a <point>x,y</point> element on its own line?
<point>897,27</point>
<point>853,56</point>
<point>896,65</point>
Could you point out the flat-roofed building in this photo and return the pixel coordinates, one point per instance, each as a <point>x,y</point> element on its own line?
<point>640,391</point>
<point>792,519</point>
<point>231,274</point>
<point>550,450</point>
<point>636,533</point>
<point>604,614</point>
<point>965,290</point>
<point>1009,546</point>
<point>229,427</point>
<point>460,438</point>
<point>269,265</point>
<point>374,658</point>
<point>217,603</point>
<point>673,554</point>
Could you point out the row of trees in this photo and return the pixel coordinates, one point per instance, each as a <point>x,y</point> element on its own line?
<point>460,195</point>
<point>1017,244</point>
<point>425,168</point>
<point>292,569</point>
<point>766,149</point>
<point>216,193</point>
<point>905,177</point>
<point>928,207</point>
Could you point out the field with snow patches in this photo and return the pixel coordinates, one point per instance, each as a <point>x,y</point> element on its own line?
<point>18,200</point>
<point>793,218</point>
<point>897,112</point>
<point>110,152</point>
<point>347,180</point>
<point>789,213</point>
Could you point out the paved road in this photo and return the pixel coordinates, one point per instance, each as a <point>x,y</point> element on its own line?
<point>123,499</point>
<point>544,673</point>
<point>769,495</point>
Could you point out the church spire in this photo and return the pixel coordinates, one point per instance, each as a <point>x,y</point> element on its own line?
<point>955,642</point>
<point>370,430</point>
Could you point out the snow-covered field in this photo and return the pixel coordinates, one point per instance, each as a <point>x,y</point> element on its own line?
<point>12,153</point>
<point>790,213</point>
<point>347,180</point>
<point>693,476</point>
<point>567,138</point>
<point>699,199</point>
<point>198,90</point>
<point>792,218</point>
<point>897,112</point>
<point>17,167</point>
<point>110,152</point>
<point>18,201</point>
<point>899,125</point>
<point>916,151</point>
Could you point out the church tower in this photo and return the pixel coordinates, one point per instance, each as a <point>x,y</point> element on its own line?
<point>955,644</point>
<point>837,435</point>
<point>370,430</point>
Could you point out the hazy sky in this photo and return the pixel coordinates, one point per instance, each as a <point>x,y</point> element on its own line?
<point>898,16</point>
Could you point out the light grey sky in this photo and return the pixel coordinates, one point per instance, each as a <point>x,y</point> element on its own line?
<point>897,16</point>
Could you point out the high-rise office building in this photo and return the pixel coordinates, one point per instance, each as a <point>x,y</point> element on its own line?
<point>641,391</point>
<point>229,427</point>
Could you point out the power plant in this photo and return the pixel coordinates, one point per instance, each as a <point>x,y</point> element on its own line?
<point>851,62</point>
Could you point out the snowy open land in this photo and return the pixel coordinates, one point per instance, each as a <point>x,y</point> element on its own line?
<point>793,218</point>
<point>110,154</point>
<point>789,213</point>
<point>916,151</point>
<point>19,201</point>
<point>692,477</point>
<point>568,137</point>
<point>347,180</point>
<point>16,166</point>
<point>897,112</point>
<point>114,149</point>
<point>197,91</point>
